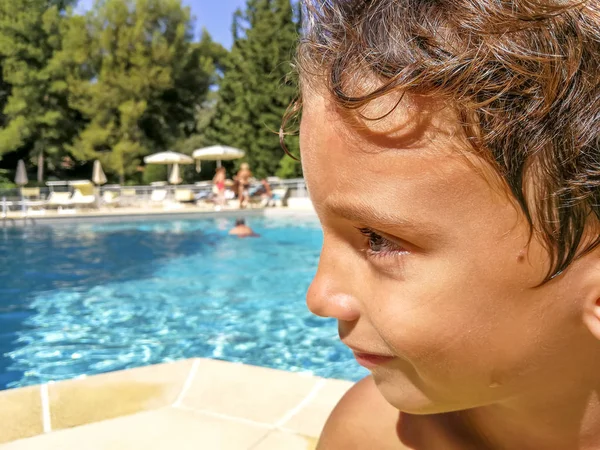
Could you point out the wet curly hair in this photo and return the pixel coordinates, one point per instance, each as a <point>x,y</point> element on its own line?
<point>523,75</point>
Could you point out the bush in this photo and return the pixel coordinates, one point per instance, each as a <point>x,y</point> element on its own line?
<point>5,180</point>
<point>289,168</point>
<point>154,172</point>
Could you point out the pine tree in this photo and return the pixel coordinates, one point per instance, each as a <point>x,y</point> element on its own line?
<point>141,81</point>
<point>256,91</point>
<point>5,89</point>
<point>36,118</point>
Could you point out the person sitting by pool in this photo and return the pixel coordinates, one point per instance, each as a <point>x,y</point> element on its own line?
<point>264,192</point>
<point>242,230</point>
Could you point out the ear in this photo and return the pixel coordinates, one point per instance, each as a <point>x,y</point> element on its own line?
<point>587,279</point>
<point>591,315</point>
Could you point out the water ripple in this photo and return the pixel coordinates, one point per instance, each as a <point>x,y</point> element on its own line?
<point>88,299</point>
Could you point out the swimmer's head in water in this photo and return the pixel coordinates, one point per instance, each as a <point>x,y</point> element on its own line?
<point>435,137</point>
<point>239,222</point>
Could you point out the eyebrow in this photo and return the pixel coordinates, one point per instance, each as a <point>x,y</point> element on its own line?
<point>365,213</point>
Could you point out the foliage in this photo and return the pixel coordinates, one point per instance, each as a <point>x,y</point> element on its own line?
<point>126,79</point>
<point>36,116</point>
<point>5,180</point>
<point>289,167</point>
<point>256,90</point>
<point>137,79</point>
<point>154,172</point>
<point>204,115</point>
<point>5,89</point>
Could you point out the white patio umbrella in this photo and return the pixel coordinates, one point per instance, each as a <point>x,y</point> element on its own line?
<point>168,157</point>
<point>174,177</point>
<point>98,176</point>
<point>21,175</point>
<point>216,153</point>
<point>21,180</point>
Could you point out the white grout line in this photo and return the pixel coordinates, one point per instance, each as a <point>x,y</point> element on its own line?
<point>45,408</point>
<point>276,426</point>
<point>226,417</point>
<point>291,413</point>
<point>188,382</point>
<point>260,440</point>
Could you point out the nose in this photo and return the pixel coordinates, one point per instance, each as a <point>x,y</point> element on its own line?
<point>330,293</point>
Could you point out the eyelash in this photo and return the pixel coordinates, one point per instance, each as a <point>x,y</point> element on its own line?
<point>387,247</point>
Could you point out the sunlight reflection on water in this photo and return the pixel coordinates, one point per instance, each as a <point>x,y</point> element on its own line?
<point>88,299</point>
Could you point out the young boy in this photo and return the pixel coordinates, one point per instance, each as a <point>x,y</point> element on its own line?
<point>452,153</point>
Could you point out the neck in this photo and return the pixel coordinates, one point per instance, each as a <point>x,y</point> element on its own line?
<point>564,418</point>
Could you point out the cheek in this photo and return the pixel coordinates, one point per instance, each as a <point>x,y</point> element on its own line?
<point>428,323</point>
<point>449,323</point>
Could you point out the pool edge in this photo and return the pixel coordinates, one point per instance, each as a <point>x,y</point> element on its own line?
<point>285,405</point>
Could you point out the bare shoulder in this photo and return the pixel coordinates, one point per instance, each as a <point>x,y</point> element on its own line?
<point>362,420</point>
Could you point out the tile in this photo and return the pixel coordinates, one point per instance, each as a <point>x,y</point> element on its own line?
<point>163,429</point>
<point>278,440</point>
<point>249,392</point>
<point>20,413</point>
<point>115,394</point>
<point>311,418</point>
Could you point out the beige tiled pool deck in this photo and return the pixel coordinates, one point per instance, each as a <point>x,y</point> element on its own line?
<point>191,404</point>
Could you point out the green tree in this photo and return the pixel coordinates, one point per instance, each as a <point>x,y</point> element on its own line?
<point>193,136</point>
<point>203,116</point>
<point>5,89</point>
<point>36,118</point>
<point>255,90</point>
<point>137,78</point>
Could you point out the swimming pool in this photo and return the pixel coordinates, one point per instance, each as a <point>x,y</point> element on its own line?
<point>80,299</point>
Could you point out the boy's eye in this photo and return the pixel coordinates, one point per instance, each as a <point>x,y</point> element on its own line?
<point>376,241</point>
<point>379,245</point>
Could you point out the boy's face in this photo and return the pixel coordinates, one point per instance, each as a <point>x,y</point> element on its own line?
<point>426,260</point>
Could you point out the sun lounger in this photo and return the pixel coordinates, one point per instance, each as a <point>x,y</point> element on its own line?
<point>184,196</point>
<point>128,197</point>
<point>110,198</point>
<point>80,199</point>
<point>31,201</point>
<point>279,197</point>
<point>83,193</point>
<point>59,199</point>
<point>30,193</point>
<point>158,196</point>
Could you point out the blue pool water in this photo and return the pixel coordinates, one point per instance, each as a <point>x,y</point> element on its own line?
<point>84,299</point>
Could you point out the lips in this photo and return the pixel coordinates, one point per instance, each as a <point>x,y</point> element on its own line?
<point>370,360</point>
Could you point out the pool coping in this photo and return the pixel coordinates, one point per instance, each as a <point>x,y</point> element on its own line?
<point>228,399</point>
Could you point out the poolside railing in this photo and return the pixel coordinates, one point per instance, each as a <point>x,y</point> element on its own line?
<point>10,199</point>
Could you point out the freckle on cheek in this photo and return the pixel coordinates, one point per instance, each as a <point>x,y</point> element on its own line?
<point>521,256</point>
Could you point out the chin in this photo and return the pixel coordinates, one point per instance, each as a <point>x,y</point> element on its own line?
<point>408,398</point>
